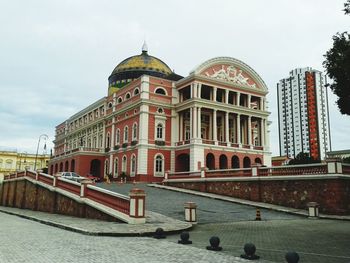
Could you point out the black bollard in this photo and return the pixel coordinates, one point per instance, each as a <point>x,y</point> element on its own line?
<point>214,244</point>
<point>159,233</point>
<point>292,257</point>
<point>185,236</point>
<point>249,250</point>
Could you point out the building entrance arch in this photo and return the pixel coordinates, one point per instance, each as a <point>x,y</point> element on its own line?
<point>95,168</point>
<point>223,161</point>
<point>210,161</point>
<point>183,162</point>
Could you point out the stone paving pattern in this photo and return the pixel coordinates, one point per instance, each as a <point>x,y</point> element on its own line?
<point>316,240</point>
<point>27,241</point>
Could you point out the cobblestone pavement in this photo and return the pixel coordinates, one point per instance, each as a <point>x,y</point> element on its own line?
<point>209,210</point>
<point>316,240</point>
<point>27,241</point>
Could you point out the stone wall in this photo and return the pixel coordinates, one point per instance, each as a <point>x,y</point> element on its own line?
<point>333,195</point>
<point>26,195</point>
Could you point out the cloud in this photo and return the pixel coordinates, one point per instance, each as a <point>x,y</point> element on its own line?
<point>56,56</point>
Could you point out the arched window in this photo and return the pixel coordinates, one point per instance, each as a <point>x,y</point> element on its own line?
<point>159,165</point>
<point>133,166</point>
<point>108,141</point>
<point>134,131</point>
<point>127,96</point>
<point>160,131</point>
<point>116,167</point>
<point>126,135</point>
<point>94,142</point>
<point>120,100</point>
<point>160,91</point>
<point>124,164</point>
<point>100,138</point>
<point>117,137</point>
<point>136,91</point>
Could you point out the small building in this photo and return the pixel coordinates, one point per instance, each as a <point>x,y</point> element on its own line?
<point>12,161</point>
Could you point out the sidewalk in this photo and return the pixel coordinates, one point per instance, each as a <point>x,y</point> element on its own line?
<point>279,208</point>
<point>102,228</point>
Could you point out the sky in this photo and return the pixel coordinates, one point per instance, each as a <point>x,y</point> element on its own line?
<point>56,56</point>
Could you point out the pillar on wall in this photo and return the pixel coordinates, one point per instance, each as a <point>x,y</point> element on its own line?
<point>227,127</point>
<point>238,98</point>
<point>214,127</point>
<point>249,130</point>
<point>194,122</point>
<point>137,205</point>
<point>214,93</point>
<point>238,122</point>
<point>199,123</point>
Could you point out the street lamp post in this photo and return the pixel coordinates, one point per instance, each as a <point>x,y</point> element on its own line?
<point>37,148</point>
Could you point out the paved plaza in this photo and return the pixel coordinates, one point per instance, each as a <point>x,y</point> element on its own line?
<point>27,241</point>
<point>316,240</point>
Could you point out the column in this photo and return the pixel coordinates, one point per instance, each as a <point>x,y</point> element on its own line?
<point>249,130</point>
<point>226,96</point>
<point>215,138</point>
<point>194,122</point>
<point>238,98</point>
<point>227,127</point>
<point>113,133</point>
<point>193,90</point>
<point>180,126</point>
<point>199,90</point>
<point>191,125</point>
<point>249,100</point>
<point>238,123</point>
<point>199,123</point>
<point>262,132</point>
<point>214,93</point>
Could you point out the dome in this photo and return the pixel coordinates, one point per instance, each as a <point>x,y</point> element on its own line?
<point>136,66</point>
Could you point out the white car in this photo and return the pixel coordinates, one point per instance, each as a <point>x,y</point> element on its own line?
<point>71,176</point>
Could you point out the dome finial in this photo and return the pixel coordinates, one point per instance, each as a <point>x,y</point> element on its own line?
<point>144,47</point>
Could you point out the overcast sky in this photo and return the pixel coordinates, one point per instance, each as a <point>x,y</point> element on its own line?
<point>56,56</point>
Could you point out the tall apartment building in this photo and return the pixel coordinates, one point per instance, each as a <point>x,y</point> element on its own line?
<point>303,116</point>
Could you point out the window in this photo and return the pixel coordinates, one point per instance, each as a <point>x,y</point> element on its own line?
<point>159,132</point>
<point>159,165</point>
<point>134,131</point>
<point>126,133</point>
<point>127,96</point>
<point>133,165</point>
<point>120,100</point>
<point>187,133</point>
<point>136,91</point>
<point>108,141</point>
<point>160,91</point>
<point>124,164</point>
<point>117,137</point>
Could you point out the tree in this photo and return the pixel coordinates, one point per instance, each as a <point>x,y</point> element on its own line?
<point>337,65</point>
<point>302,158</point>
<point>347,7</point>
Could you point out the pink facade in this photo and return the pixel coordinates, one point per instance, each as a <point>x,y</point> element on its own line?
<point>215,118</point>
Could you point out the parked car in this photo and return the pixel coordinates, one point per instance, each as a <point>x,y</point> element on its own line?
<point>72,176</point>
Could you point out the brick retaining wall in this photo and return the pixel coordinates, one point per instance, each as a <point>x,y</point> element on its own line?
<point>333,194</point>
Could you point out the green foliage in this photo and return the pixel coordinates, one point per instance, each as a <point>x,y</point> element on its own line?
<point>347,7</point>
<point>302,158</point>
<point>337,65</point>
